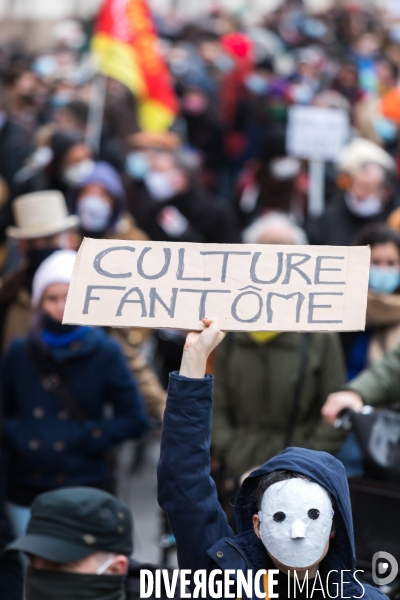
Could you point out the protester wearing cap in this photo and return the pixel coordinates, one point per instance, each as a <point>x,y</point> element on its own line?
<point>78,541</point>
<point>55,431</point>
<point>100,203</point>
<point>42,226</point>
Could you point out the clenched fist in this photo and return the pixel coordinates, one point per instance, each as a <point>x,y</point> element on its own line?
<point>198,347</point>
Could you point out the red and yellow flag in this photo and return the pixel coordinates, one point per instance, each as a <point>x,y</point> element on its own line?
<point>127,47</point>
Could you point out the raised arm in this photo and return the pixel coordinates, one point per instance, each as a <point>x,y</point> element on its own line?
<point>185,489</point>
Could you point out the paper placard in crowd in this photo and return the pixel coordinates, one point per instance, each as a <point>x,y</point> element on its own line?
<point>249,287</point>
<point>316,133</point>
<point>393,8</point>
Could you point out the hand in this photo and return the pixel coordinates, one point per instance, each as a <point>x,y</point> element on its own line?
<point>339,401</point>
<point>198,348</point>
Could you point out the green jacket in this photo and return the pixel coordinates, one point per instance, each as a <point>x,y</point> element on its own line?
<point>380,384</point>
<point>254,396</point>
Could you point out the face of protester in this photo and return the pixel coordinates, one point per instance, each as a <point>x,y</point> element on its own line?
<point>77,164</point>
<point>60,240</point>
<point>385,256</point>
<point>93,564</point>
<point>384,275</point>
<point>277,235</point>
<point>194,103</point>
<point>164,178</point>
<point>54,300</point>
<point>25,88</point>
<point>367,183</point>
<point>295,523</point>
<point>94,207</point>
<point>385,75</point>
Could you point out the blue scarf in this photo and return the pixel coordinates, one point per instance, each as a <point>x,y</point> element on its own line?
<point>57,340</point>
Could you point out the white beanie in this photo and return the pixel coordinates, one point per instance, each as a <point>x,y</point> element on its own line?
<point>55,269</point>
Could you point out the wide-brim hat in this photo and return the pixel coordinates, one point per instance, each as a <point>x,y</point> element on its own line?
<point>40,214</point>
<point>50,548</point>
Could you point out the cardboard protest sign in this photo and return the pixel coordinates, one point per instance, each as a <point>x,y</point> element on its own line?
<point>249,287</point>
<point>316,133</point>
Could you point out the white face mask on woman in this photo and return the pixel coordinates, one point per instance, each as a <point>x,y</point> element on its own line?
<point>94,213</point>
<point>77,172</point>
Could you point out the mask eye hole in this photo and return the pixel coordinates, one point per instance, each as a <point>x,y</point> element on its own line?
<point>278,517</point>
<point>313,513</point>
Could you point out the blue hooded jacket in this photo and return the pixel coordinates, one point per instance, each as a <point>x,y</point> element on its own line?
<point>188,494</point>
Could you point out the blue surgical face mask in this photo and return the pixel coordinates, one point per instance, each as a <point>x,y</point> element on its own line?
<point>302,93</point>
<point>45,66</point>
<point>386,129</point>
<point>136,165</point>
<point>384,280</point>
<point>256,84</point>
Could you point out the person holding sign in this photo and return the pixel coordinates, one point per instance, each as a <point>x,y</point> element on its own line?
<point>293,513</point>
<point>55,431</point>
<point>258,410</point>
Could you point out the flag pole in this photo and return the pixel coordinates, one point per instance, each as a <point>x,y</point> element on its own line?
<point>97,102</point>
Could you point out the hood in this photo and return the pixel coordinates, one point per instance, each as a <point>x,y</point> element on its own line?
<point>325,470</point>
<point>105,175</point>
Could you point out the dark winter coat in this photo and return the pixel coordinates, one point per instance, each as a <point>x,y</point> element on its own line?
<point>208,219</point>
<point>14,150</point>
<point>255,389</point>
<point>338,226</point>
<point>188,495</point>
<point>47,445</point>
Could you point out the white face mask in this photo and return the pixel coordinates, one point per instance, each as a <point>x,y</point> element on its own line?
<point>364,208</point>
<point>295,522</point>
<point>94,213</point>
<point>159,185</point>
<point>76,173</point>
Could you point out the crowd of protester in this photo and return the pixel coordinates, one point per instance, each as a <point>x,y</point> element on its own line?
<point>221,174</point>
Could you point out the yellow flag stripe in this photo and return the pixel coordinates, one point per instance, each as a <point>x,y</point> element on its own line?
<point>154,116</point>
<point>118,60</point>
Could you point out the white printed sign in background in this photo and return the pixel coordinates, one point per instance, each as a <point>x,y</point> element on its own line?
<point>316,133</point>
